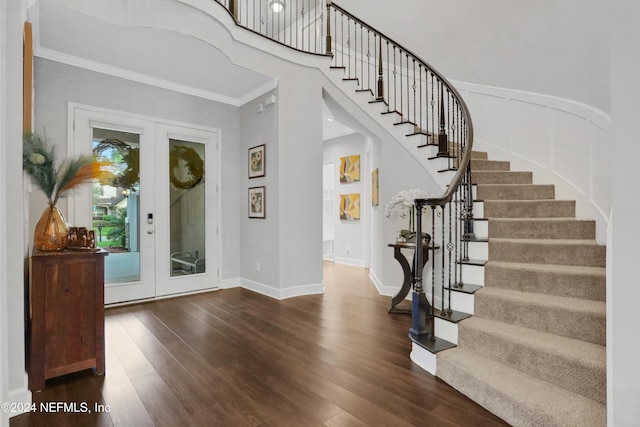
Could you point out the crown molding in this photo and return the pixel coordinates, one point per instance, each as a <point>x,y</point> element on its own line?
<point>99,67</point>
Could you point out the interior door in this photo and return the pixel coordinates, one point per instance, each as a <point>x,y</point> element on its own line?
<point>187,183</point>
<point>159,217</point>
<point>122,211</point>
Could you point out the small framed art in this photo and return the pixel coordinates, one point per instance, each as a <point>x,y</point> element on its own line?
<point>257,161</point>
<point>257,202</point>
<point>350,206</point>
<point>349,169</point>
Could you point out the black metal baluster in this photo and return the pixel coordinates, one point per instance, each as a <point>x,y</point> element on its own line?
<point>420,83</point>
<point>349,47</point>
<point>369,58</point>
<point>442,239</point>
<point>388,78</point>
<point>342,37</point>
<point>433,118</point>
<point>443,149</point>
<point>361,60</point>
<point>395,86</point>
<point>401,91</point>
<point>328,40</point>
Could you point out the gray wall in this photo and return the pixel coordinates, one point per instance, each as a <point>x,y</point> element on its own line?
<point>57,84</point>
<point>623,295</point>
<point>552,47</point>
<point>260,237</point>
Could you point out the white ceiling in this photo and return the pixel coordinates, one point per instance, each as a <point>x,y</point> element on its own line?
<point>162,57</point>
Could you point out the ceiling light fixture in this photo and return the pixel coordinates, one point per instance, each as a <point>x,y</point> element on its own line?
<point>277,5</point>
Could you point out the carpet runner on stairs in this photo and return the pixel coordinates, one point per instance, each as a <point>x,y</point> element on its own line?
<point>534,351</point>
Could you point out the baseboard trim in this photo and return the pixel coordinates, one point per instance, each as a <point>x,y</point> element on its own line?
<point>280,294</point>
<point>19,399</point>
<point>349,261</point>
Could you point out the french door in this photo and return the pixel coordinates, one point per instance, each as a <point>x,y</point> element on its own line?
<point>158,215</point>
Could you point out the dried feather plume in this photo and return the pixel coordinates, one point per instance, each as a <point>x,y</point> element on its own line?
<point>38,160</point>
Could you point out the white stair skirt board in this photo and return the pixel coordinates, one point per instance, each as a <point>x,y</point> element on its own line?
<point>447,330</point>
<point>479,250</point>
<point>478,209</point>
<point>423,358</point>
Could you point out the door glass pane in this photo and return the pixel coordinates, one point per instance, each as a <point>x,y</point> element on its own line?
<point>116,205</point>
<point>187,207</point>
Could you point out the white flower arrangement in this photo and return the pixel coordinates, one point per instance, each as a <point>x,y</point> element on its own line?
<point>403,203</point>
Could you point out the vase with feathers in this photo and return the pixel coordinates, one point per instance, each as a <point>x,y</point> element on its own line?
<point>56,180</point>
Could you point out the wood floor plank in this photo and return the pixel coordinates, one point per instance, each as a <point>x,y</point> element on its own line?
<point>237,358</point>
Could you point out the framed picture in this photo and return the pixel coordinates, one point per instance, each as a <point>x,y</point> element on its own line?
<point>257,202</point>
<point>257,161</point>
<point>349,169</point>
<point>375,189</point>
<point>350,206</point>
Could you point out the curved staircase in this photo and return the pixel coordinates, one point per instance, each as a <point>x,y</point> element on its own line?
<point>534,351</point>
<point>531,347</point>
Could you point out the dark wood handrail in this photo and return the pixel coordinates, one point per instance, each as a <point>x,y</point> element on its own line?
<point>466,158</point>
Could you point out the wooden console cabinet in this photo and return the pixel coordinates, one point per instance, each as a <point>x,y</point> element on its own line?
<point>66,313</point>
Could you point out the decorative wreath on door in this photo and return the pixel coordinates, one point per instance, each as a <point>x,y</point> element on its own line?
<point>129,157</point>
<point>192,161</point>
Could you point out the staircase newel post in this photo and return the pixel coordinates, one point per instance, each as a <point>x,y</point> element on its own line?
<point>328,41</point>
<point>420,307</point>
<point>233,8</point>
<point>380,92</point>
<point>443,148</point>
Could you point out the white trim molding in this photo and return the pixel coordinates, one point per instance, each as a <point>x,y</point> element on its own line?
<point>280,294</point>
<point>563,142</point>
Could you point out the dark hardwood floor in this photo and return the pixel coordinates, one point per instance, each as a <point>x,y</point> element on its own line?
<point>237,358</point>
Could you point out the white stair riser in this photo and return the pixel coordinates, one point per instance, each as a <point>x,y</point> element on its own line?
<point>460,301</point>
<point>446,330</point>
<point>481,229</point>
<point>479,250</point>
<point>473,274</point>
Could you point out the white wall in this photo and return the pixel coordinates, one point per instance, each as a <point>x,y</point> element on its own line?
<point>623,317</point>
<point>551,47</point>
<point>562,142</point>
<point>350,235</point>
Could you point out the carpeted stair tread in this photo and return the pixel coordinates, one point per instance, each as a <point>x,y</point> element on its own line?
<point>529,208</point>
<point>569,363</point>
<point>515,192</point>
<point>579,252</point>
<point>479,155</point>
<point>519,399</point>
<point>551,279</point>
<point>489,165</point>
<point>542,228</point>
<point>501,177</point>
<point>569,317</point>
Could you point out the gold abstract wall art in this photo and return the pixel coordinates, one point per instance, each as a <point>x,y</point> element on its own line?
<point>350,206</point>
<point>375,189</point>
<point>349,169</point>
